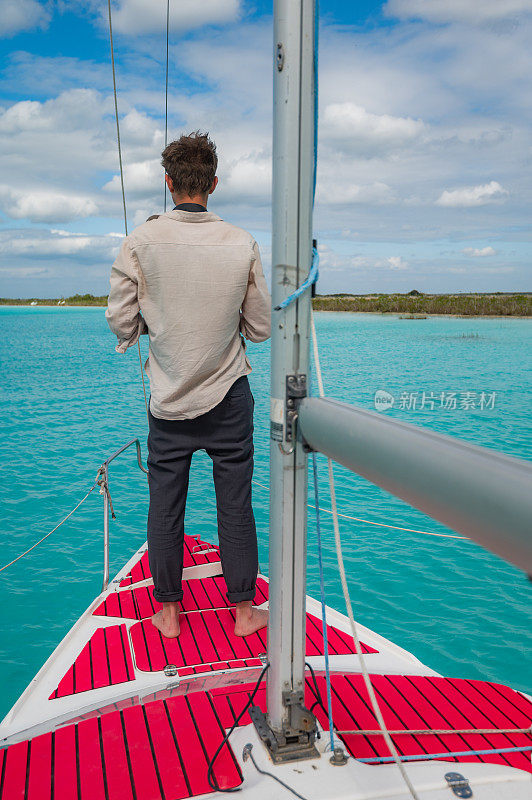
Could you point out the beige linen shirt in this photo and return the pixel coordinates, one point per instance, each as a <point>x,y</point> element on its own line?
<point>195,284</point>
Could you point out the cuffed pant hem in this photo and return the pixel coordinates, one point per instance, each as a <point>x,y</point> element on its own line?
<point>240,597</point>
<point>168,597</point>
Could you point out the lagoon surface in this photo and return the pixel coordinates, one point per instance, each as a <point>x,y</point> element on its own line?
<point>68,401</point>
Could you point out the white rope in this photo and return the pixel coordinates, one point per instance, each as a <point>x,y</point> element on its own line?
<point>379,524</point>
<point>25,553</point>
<point>341,568</point>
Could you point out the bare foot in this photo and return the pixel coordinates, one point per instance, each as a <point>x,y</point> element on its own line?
<point>249,619</point>
<point>167,622</point>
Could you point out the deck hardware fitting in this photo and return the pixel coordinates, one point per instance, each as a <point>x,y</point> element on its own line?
<point>170,670</point>
<point>296,390</point>
<point>338,758</point>
<point>458,784</point>
<point>295,741</point>
<point>280,57</point>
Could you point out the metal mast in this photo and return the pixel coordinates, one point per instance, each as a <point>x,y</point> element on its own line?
<point>290,723</point>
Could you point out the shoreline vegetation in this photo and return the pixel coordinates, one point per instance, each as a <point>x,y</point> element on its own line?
<point>414,305</point>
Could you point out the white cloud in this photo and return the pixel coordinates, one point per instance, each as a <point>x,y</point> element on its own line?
<point>367,134</point>
<point>470,196</point>
<point>45,205</point>
<point>339,193</point>
<point>22,15</point>
<point>141,179</point>
<point>396,262</point>
<point>145,16</point>
<point>427,112</point>
<point>471,11</point>
<point>248,177</point>
<point>56,244</point>
<point>24,272</point>
<point>479,252</point>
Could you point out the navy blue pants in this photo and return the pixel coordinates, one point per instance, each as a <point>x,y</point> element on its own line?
<point>226,433</point>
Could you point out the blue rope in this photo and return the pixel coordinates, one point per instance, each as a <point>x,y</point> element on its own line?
<point>424,756</point>
<point>311,278</point>
<point>322,597</point>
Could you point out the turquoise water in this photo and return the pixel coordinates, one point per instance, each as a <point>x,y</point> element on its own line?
<point>68,401</point>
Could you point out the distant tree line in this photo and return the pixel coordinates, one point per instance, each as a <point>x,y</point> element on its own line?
<point>495,304</point>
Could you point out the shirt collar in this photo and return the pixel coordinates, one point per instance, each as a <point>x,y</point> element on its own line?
<point>189,207</point>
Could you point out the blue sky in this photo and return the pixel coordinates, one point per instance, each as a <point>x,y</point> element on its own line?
<point>424,136</point>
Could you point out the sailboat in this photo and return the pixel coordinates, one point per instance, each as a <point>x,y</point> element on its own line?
<point>318,706</point>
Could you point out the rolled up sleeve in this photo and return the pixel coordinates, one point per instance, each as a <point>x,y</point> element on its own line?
<point>255,316</point>
<point>123,310</point>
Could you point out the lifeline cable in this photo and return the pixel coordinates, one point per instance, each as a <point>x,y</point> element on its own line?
<point>457,754</point>
<point>93,487</point>
<point>379,524</point>
<point>122,172</point>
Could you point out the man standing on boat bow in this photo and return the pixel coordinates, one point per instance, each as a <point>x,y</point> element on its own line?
<point>195,285</point>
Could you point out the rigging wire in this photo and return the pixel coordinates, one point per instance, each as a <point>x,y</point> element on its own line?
<point>116,113</point>
<point>115,94</point>
<point>363,667</point>
<point>25,553</point>
<point>166,92</point>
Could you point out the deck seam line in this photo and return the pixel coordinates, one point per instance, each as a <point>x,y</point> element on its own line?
<point>78,773</point>
<point>153,756</point>
<point>102,759</point>
<point>396,713</point>
<point>440,713</point>
<point>470,721</point>
<point>28,756</point>
<point>128,757</point>
<point>107,656</point>
<point>470,683</point>
<point>460,711</point>
<point>52,768</point>
<point>223,732</point>
<point>484,714</point>
<point>145,646</point>
<point>212,641</point>
<point>126,661</point>
<point>176,744</point>
<point>362,700</point>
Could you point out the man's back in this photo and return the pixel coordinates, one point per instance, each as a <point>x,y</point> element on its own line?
<point>199,283</point>
<point>195,284</point>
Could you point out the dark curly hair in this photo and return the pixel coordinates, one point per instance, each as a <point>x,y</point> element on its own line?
<point>191,162</point>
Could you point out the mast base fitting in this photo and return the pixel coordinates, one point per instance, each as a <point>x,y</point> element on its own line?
<point>288,744</point>
<point>338,758</point>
